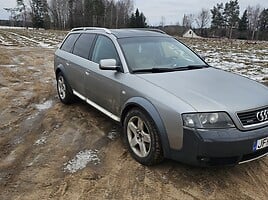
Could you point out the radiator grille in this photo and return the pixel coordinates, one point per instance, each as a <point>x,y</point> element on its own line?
<point>250,118</point>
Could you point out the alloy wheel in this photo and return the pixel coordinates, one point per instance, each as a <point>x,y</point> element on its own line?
<point>138,136</point>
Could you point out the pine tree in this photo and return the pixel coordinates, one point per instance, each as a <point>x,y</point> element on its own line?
<point>217,16</point>
<point>70,10</point>
<point>40,17</point>
<point>231,15</point>
<point>263,21</point>
<point>243,23</point>
<point>138,20</point>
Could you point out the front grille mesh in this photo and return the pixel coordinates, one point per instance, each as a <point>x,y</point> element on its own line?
<point>250,118</point>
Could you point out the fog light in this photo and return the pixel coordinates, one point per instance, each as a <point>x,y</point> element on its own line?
<point>204,159</point>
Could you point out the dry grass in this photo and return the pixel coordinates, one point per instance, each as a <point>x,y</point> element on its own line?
<point>4,58</point>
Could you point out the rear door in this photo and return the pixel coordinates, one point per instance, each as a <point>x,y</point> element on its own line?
<point>80,62</point>
<point>103,87</point>
<point>65,56</point>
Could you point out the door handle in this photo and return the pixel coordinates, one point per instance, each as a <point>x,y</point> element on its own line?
<point>67,64</point>
<point>87,73</point>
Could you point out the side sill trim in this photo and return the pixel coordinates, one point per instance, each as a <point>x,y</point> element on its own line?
<point>104,111</point>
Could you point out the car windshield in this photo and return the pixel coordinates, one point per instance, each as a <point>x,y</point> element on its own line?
<point>156,54</point>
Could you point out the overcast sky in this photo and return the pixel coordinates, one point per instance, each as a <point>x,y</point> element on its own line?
<point>172,10</point>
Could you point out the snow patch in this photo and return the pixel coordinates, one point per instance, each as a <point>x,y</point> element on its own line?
<point>113,134</point>
<point>13,27</point>
<point>2,42</point>
<point>44,106</point>
<point>81,160</point>
<point>41,141</point>
<point>41,44</point>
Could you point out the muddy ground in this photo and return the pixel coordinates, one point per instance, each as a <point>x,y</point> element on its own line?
<point>43,144</point>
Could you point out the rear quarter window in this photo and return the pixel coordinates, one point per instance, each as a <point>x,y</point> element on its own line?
<point>83,45</point>
<point>69,42</point>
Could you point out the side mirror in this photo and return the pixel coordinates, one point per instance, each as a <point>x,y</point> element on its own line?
<point>108,64</point>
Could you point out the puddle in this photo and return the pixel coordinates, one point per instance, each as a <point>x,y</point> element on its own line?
<point>44,106</point>
<point>81,160</point>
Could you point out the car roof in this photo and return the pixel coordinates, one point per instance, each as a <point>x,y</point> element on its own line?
<point>123,33</point>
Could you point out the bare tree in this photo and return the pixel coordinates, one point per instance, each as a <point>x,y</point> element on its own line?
<point>202,19</point>
<point>74,13</point>
<point>253,18</point>
<point>23,13</point>
<point>163,21</point>
<point>59,10</point>
<point>188,20</point>
<point>13,15</point>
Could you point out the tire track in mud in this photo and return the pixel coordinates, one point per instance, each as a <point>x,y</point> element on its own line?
<point>17,105</point>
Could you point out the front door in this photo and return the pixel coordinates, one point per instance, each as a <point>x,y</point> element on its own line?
<point>103,87</point>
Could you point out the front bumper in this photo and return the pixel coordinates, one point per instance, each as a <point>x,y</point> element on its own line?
<point>219,147</point>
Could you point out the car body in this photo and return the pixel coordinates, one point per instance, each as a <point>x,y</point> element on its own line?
<point>174,106</point>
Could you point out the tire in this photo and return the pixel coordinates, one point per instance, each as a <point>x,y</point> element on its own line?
<point>142,138</point>
<point>64,90</point>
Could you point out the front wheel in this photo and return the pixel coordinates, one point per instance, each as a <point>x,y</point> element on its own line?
<point>142,138</point>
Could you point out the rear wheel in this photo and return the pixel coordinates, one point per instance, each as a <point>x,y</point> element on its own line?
<point>142,138</point>
<point>64,91</point>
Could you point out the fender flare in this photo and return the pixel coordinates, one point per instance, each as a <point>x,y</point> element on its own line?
<point>149,108</point>
<point>60,68</point>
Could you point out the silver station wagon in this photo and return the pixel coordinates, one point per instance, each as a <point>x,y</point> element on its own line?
<point>169,101</point>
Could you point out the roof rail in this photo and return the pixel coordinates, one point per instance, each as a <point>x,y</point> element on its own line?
<point>91,28</point>
<point>151,29</point>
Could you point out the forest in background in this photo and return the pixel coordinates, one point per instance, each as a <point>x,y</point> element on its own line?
<point>223,20</point>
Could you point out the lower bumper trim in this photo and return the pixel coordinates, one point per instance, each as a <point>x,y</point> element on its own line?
<point>254,156</point>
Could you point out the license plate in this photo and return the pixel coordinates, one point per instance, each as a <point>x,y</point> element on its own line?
<point>260,144</point>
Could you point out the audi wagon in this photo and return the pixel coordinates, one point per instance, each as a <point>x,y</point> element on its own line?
<point>169,101</point>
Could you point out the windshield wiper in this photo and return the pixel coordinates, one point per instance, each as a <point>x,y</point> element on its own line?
<point>190,67</point>
<point>159,70</point>
<point>154,70</point>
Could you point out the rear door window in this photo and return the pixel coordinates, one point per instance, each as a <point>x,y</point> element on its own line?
<point>83,45</point>
<point>69,43</point>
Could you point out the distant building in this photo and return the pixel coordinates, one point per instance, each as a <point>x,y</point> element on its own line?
<point>190,34</point>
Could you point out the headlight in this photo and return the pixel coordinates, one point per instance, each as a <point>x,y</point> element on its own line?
<point>207,120</point>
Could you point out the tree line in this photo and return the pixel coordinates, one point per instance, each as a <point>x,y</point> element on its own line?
<point>66,14</point>
<point>225,21</point>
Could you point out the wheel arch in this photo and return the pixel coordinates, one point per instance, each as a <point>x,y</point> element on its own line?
<point>60,68</point>
<point>146,106</point>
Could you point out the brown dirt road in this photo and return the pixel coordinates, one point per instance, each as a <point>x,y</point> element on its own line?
<point>39,136</point>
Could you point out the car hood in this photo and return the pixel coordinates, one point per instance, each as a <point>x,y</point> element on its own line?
<point>211,89</point>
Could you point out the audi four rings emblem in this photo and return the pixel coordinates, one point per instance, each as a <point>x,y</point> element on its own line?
<point>262,115</point>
